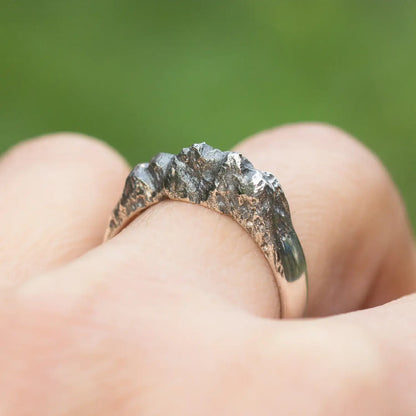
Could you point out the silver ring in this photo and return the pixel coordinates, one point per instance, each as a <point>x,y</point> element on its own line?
<point>228,183</point>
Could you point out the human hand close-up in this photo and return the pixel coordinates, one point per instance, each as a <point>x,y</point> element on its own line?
<point>176,315</point>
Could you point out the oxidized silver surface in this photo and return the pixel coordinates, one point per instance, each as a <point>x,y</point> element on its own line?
<point>228,183</point>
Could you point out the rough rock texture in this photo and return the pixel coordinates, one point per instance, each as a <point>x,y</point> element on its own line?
<point>225,182</point>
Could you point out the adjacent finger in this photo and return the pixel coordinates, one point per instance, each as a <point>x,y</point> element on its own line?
<point>55,195</point>
<point>347,212</point>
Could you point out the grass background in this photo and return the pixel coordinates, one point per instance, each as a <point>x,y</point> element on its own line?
<point>157,75</point>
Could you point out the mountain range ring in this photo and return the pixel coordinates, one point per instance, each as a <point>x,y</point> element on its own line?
<point>225,182</point>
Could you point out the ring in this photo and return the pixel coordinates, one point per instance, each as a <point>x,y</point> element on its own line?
<point>228,183</point>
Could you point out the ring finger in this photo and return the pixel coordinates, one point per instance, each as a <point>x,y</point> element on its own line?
<point>346,211</point>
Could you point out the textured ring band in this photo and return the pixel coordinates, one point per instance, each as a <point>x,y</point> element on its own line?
<point>225,182</point>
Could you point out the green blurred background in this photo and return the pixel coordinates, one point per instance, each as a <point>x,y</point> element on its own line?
<point>149,75</point>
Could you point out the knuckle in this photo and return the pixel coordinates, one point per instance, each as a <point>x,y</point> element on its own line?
<point>60,147</point>
<point>308,133</point>
<point>311,132</point>
<point>325,157</point>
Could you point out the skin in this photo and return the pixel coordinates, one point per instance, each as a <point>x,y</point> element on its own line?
<point>174,315</point>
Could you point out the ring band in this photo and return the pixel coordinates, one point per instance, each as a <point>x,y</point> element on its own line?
<point>225,182</point>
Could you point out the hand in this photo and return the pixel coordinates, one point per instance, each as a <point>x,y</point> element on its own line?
<point>172,316</point>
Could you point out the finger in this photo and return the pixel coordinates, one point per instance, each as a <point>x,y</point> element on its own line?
<point>55,195</point>
<point>142,350</point>
<point>345,209</point>
<point>163,346</point>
